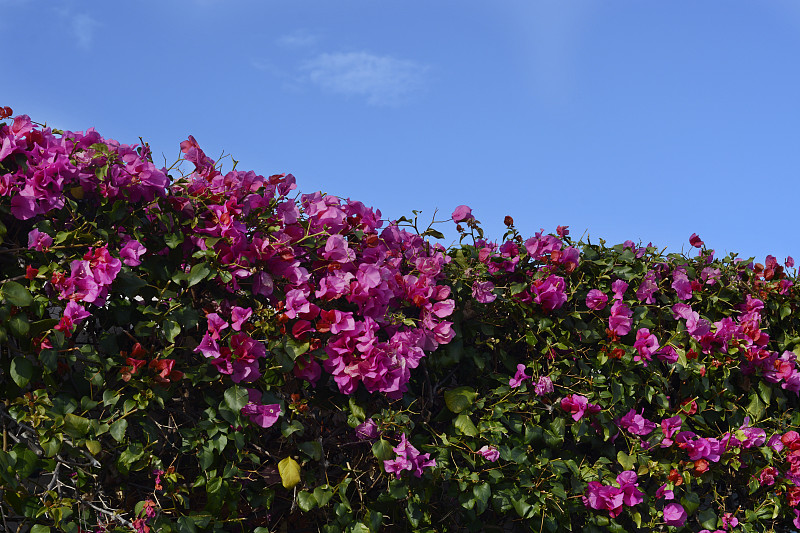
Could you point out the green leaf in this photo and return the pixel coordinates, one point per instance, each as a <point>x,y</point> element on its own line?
<point>19,325</point>
<point>173,240</point>
<point>21,370</point>
<point>289,471</point>
<point>129,284</point>
<point>691,502</point>
<point>118,429</point>
<point>312,448</point>
<point>77,426</point>
<point>235,398</point>
<point>15,294</point>
<point>296,349</point>
<point>356,410</point>
<point>51,446</point>
<point>756,407</point>
<point>214,484</point>
<point>38,528</point>
<point>464,424</point>
<point>707,518</point>
<point>171,330</point>
<point>93,446</point>
<point>459,398</point>
<point>523,508</point>
<point>482,494</point>
<point>306,501</point>
<point>382,450</point>
<point>627,461</point>
<point>323,495</point>
<point>198,273</point>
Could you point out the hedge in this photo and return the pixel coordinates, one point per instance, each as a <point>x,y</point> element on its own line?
<point>188,349</point>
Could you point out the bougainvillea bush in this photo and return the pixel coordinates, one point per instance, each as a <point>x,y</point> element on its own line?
<point>192,349</point>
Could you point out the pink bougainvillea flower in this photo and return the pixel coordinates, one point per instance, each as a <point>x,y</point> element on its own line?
<point>462,213</point>
<point>367,430</point>
<point>551,293</point>
<point>789,262</point>
<point>695,241</point>
<point>668,354</point>
<point>337,250</point>
<point>596,300</point>
<point>262,415</point>
<point>239,316</point>
<point>618,288</point>
<point>636,424</point>
<point>670,426</point>
<point>620,320</point>
<point>674,514</point>
<point>39,241</point>
<point>664,492</point>
<point>215,325</point>
<point>648,288</point>
<point>578,405</point>
<point>73,313</point>
<point>490,453</point>
<point>681,284</point>
<point>132,252</point>
<point>482,292</point>
<point>543,386</point>
<point>408,458</point>
<point>519,377</point>
<point>646,344</point>
<point>307,368</point>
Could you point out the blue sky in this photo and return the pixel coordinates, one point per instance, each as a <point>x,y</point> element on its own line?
<point>626,120</point>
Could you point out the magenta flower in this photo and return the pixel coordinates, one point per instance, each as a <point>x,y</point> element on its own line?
<point>408,458</point>
<point>519,377</point>
<point>132,252</point>
<point>543,386</point>
<point>39,241</point>
<point>578,405</point>
<point>73,313</point>
<point>664,492</point>
<point>674,514</point>
<point>668,354</point>
<point>646,344</point>
<point>648,288</point>
<point>636,423</point>
<point>215,325</point>
<point>670,426</point>
<point>681,284</point>
<point>262,415</point>
<point>596,300</point>
<point>367,430</point>
<point>337,250</point>
<point>482,292</point>
<point>618,288</point>
<point>239,316</point>
<point>462,213</point>
<point>550,293</point>
<point>695,241</point>
<point>490,453</point>
<point>620,320</point>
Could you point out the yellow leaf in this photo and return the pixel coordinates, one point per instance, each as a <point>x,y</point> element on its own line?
<point>290,472</point>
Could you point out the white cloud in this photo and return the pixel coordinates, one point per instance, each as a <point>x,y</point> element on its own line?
<point>298,39</point>
<point>383,80</point>
<point>83,27</point>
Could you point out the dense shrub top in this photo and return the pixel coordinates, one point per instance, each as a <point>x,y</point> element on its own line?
<point>210,351</point>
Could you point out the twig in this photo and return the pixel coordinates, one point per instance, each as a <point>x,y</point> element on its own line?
<point>112,514</point>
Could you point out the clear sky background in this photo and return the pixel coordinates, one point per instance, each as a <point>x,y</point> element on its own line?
<point>626,120</point>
